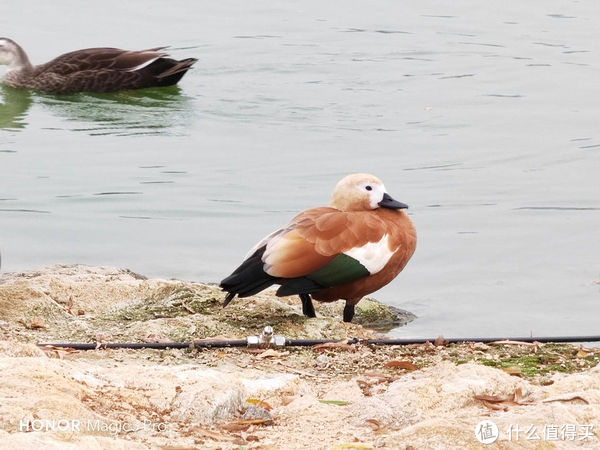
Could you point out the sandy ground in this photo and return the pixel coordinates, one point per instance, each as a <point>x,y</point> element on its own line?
<point>333,397</point>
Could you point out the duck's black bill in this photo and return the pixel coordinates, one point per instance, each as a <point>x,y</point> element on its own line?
<point>389,202</point>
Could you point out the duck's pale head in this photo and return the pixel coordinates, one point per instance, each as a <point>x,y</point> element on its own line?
<point>7,51</point>
<point>11,54</point>
<point>362,192</point>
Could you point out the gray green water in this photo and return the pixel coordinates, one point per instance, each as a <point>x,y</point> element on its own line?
<point>485,119</point>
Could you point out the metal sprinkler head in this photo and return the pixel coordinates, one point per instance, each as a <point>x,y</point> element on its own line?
<point>266,339</point>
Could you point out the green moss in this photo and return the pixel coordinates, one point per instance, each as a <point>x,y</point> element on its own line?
<point>375,315</point>
<point>489,362</point>
<point>548,358</point>
<point>556,368</point>
<point>530,365</point>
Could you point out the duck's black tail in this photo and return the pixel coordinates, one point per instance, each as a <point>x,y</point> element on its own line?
<point>248,279</point>
<point>168,71</point>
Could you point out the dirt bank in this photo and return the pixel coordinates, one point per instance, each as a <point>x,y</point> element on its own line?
<point>421,396</point>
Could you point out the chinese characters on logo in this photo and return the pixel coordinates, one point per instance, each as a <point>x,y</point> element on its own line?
<point>487,432</point>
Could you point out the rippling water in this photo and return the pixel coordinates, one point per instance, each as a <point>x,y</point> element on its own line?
<point>484,119</point>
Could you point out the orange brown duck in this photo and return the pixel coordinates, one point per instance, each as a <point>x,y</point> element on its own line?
<point>350,249</point>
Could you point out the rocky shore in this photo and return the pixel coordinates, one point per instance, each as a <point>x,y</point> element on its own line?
<point>332,397</point>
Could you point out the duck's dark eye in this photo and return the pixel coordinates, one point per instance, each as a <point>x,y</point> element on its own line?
<point>368,188</point>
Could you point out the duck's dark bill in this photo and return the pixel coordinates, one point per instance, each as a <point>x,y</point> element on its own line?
<point>389,202</point>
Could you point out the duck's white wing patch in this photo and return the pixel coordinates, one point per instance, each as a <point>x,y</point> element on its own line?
<point>144,64</point>
<point>374,255</point>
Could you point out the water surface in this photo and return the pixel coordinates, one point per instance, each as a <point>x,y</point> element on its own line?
<point>483,119</point>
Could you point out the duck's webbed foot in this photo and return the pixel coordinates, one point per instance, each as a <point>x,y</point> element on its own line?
<point>307,306</point>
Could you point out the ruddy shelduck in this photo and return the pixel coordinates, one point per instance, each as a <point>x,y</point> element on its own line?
<point>345,251</point>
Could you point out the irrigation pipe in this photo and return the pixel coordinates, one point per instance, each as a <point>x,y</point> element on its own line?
<point>269,340</point>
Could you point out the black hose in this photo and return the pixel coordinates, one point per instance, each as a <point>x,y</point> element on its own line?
<point>311,342</point>
<point>529,339</point>
<point>153,345</point>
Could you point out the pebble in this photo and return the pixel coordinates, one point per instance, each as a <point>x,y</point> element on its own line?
<point>322,361</point>
<point>258,413</point>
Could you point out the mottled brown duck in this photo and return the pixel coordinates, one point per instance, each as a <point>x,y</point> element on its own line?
<point>92,69</point>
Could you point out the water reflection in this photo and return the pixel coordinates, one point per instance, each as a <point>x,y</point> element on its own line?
<point>13,108</point>
<point>142,112</point>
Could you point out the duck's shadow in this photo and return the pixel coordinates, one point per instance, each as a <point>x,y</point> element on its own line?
<point>162,110</point>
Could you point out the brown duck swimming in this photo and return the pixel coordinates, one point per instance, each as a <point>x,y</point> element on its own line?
<point>92,69</point>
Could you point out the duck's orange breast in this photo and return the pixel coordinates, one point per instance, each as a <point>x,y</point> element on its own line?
<point>401,240</point>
